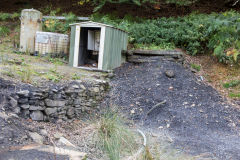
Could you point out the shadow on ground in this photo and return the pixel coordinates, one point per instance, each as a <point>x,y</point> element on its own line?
<point>31,154</point>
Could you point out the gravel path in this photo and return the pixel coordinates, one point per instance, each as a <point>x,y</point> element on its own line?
<point>195,115</point>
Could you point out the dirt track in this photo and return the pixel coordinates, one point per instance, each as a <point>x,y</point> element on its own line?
<point>195,115</point>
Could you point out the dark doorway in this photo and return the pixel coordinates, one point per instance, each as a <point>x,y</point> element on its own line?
<point>89,47</point>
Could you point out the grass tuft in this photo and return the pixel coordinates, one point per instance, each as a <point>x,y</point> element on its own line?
<point>115,138</point>
<point>196,67</point>
<point>4,31</point>
<point>26,74</point>
<point>231,84</point>
<point>234,95</point>
<point>147,154</point>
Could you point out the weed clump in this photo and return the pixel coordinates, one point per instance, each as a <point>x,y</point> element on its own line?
<point>196,67</point>
<point>231,84</point>
<point>114,136</point>
<point>196,33</point>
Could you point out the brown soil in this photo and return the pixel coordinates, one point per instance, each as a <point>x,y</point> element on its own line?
<point>148,11</point>
<point>215,73</point>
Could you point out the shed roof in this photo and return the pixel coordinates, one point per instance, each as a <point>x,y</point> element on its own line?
<point>95,24</point>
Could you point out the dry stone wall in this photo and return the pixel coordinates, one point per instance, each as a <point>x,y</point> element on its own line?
<point>57,101</point>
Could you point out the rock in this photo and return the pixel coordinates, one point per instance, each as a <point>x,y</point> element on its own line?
<point>44,132</point>
<point>77,102</point>
<point>24,93</point>
<point>83,87</point>
<point>25,106</point>
<point>168,125</point>
<point>75,86</point>
<point>36,137</point>
<point>54,90</point>
<point>54,103</point>
<point>23,100</point>
<point>170,73</point>
<point>25,113</point>
<point>66,142</point>
<point>37,94</point>
<point>17,110</point>
<point>58,135</point>
<point>132,111</point>
<point>170,88</point>
<point>193,70</point>
<point>50,111</point>
<point>13,102</point>
<point>96,89</point>
<point>111,75</point>
<point>36,116</point>
<point>1,140</point>
<point>154,135</point>
<point>70,112</point>
<point>41,103</point>
<point>34,102</point>
<point>36,108</point>
<point>45,118</point>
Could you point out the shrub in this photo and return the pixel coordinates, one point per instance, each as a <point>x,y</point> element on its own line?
<point>196,33</point>
<point>234,95</point>
<point>7,16</point>
<point>233,83</point>
<point>4,31</point>
<point>114,136</point>
<point>196,67</point>
<point>25,74</point>
<point>53,25</point>
<point>4,16</point>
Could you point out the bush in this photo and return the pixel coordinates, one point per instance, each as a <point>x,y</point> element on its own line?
<point>115,138</point>
<point>4,16</point>
<point>196,33</point>
<point>233,83</point>
<point>8,16</point>
<point>53,25</point>
<point>4,31</point>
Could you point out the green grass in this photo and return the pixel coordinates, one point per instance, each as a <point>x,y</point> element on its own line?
<point>4,31</point>
<point>196,67</point>
<point>115,138</point>
<point>54,75</point>
<point>231,84</point>
<point>7,16</point>
<point>75,76</point>
<point>234,95</point>
<point>26,74</point>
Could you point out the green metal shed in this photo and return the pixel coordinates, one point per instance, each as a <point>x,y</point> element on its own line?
<point>97,45</point>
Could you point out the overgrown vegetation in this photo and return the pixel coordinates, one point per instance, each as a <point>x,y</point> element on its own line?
<point>54,25</point>
<point>100,3</point>
<point>9,16</point>
<point>232,83</point>
<point>234,95</point>
<point>196,67</point>
<point>196,33</point>
<point>4,31</point>
<point>114,137</point>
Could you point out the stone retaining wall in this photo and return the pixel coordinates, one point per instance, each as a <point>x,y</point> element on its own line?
<point>54,101</point>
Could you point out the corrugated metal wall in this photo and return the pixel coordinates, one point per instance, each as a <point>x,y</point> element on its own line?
<point>115,42</point>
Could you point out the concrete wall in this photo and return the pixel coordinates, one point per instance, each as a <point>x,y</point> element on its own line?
<point>31,22</point>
